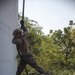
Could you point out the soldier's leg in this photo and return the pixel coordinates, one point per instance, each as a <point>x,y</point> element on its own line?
<point>33,64</point>
<point>20,67</point>
<point>38,68</point>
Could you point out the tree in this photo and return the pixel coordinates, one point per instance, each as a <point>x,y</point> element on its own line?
<point>66,45</point>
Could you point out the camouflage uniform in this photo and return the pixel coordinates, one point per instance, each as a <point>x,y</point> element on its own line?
<point>27,58</point>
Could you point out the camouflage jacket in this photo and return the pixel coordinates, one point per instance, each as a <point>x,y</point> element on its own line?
<point>21,44</point>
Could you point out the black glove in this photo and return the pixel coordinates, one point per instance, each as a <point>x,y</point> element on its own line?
<point>22,22</point>
<point>23,26</point>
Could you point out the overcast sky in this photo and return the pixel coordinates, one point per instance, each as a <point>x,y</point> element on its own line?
<point>50,14</point>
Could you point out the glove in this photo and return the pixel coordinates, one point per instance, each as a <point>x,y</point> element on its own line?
<point>22,25</point>
<point>22,22</point>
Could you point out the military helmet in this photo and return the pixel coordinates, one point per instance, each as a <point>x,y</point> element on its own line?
<point>17,31</point>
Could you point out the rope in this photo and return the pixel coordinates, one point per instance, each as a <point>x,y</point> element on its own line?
<point>23,27</point>
<point>23,10</point>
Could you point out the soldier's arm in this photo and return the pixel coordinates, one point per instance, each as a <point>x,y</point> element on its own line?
<point>17,41</point>
<point>25,34</point>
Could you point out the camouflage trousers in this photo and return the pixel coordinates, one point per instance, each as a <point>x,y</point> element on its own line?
<point>28,59</point>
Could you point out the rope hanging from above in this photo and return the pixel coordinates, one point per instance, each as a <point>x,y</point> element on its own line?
<point>22,21</point>
<point>23,10</point>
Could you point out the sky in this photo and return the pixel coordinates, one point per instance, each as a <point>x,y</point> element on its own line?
<point>50,14</point>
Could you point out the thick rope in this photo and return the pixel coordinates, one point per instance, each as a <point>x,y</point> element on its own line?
<point>23,10</point>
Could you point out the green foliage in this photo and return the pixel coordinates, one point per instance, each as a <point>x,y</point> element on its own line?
<point>56,52</point>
